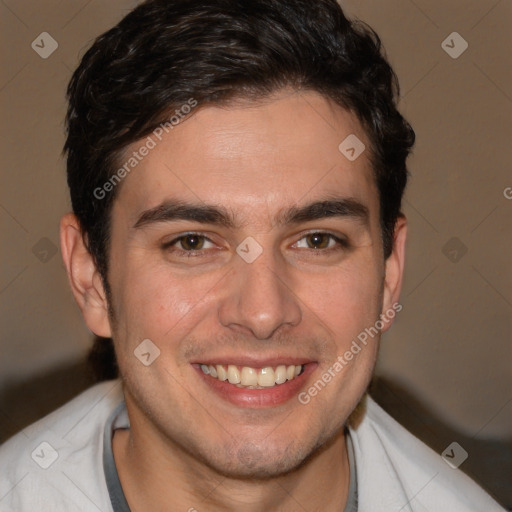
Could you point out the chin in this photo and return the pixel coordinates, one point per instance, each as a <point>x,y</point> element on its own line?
<point>251,462</point>
<point>266,460</point>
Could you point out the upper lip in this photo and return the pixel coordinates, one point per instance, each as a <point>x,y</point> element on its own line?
<point>254,362</point>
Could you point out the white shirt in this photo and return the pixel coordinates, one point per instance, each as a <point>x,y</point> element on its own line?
<point>56,464</point>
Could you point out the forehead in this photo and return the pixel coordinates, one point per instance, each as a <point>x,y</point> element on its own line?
<point>251,157</point>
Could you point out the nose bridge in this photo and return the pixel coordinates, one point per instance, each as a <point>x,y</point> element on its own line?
<point>258,299</point>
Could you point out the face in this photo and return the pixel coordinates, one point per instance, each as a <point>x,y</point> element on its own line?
<point>247,246</point>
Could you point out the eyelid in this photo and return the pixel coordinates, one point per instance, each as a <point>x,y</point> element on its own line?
<point>177,238</point>
<point>341,240</point>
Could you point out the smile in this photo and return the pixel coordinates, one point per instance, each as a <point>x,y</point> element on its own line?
<point>253,378</point>
<point>266,383</point>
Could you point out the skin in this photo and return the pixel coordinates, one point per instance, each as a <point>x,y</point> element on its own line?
<point>187,446</point>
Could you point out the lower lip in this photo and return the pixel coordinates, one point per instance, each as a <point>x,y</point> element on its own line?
<point>258,398</point>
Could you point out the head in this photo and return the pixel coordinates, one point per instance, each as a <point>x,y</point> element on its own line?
<point>242,107</point>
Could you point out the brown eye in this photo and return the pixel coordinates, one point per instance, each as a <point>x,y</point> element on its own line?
<point>189,244</point>
<point>318,240</point>
<point>192,242</point>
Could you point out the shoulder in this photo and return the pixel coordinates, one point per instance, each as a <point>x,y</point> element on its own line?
<point>56,463</point>
<point>396,471</point>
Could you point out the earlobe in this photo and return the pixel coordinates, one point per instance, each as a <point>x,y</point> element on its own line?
<point>84,278</point>
<point>395,268</point>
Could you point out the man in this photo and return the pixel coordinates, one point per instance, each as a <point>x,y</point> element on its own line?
<point>236,171</point>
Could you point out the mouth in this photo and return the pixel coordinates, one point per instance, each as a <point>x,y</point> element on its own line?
<point>253,378</point>
<point>255,386</point>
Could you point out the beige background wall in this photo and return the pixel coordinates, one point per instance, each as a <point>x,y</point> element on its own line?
<point>449,355</point>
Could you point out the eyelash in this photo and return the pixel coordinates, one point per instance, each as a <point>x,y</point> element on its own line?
<point>341,244</point>
<point>186,253</point>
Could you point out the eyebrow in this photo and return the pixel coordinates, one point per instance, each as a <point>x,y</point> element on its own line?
<point>172,210</point>
<point>324,209</point>
<point>208,214</point>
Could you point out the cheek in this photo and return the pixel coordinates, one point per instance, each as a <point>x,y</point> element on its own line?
<point>154,301</point>
<point>346,301</point>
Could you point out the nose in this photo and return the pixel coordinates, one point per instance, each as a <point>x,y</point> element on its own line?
<point>258,300</point>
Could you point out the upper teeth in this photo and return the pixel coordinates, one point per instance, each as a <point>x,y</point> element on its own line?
<point>252,377</point>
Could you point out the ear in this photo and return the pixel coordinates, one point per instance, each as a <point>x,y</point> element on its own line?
<point>84,278</point>
<point>395,270</point>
